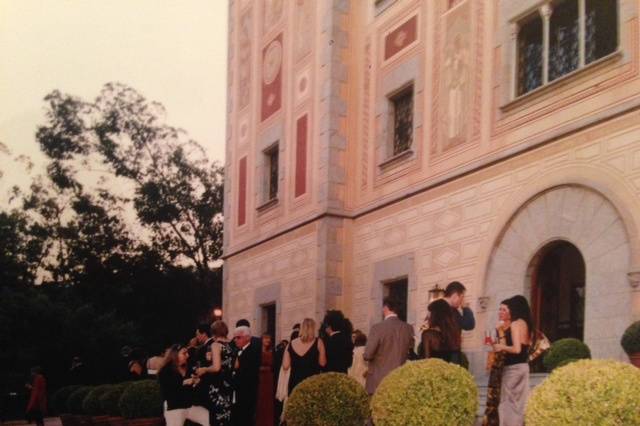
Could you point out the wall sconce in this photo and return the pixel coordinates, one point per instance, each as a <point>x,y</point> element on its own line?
<point>436,293</point>
<point>217,314</point>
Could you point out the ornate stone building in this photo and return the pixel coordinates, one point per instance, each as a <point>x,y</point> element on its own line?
<point>388,146</point>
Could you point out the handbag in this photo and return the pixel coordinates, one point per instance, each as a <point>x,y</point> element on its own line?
<point>541,345</point>
<point>282,392</point>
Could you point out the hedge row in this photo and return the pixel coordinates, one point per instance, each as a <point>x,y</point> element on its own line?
<point>130,400</point>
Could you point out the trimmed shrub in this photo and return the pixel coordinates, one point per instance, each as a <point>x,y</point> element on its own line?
<point>328,399</point>
<point>587,392</point>
<point>631,339</point>
<point>429,392</point>
<point>76,400</point>
<point>141,400</point>
<point>91,404</point>
<point>563,351</point>
<point>110,399</point>
<point>60,397</point>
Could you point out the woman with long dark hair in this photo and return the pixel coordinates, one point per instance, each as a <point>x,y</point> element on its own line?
<point>177,389</point>
<point>517,327</point>
<point>442,336</point>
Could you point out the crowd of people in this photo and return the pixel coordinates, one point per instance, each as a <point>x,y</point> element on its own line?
<point>245,380</point>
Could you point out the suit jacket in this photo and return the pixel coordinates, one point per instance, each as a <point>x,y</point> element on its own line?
<point>247,375</point>
<point>339,352</point>
<point>387,348</point>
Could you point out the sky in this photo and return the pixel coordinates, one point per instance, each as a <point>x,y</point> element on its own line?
<point>171,51</point>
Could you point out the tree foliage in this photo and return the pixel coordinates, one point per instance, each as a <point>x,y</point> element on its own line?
<point>121,234</point>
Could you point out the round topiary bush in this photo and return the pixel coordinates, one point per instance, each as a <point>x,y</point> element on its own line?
<point>563,351</point>
<point>110,399</point>
<point>76,400</point>
<point>141,400</point>
<point>429,392</point>
<point>587,392</point>
<point>631,339</point>
<point>328,399</point>
<point>91,404</point>
<point>60,397</point>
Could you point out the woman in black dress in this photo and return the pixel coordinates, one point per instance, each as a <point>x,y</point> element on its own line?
<point>305,355</point>
<point>221,370</point>
<point>442,334</point>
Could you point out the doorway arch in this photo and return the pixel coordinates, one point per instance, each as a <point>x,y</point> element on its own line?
<point>586,220</point>
<point>557,277</point>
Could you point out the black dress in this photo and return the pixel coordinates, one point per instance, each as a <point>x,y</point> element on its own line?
<point>221,388</point>
<point>432,346</point>
<point>303,366</point>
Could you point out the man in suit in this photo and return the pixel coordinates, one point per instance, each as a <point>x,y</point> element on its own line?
<point>388,345</point>
<point>246,376</point>
<point>454,295</point>
<point>338,342</point>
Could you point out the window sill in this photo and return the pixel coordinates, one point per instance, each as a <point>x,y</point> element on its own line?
<point>268,205</point>
<point>542,90</point>
<point>397,159</point>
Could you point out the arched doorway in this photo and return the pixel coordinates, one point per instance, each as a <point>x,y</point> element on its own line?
<point>558,290</point>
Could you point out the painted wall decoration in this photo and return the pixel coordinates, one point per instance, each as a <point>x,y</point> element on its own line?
<point>242,191</point>
<point>272,13</point>
<point>455,98</point>
<point>244,58</point>
<point>401,37</point>
<point>301,155</point>
<point>303,28</point>
<point>271,78</point>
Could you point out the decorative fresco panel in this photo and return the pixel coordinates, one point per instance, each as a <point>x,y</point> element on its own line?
<point>456,81</point>
<point>242,191</point>
<point>301,155</point>
<point>303,23</point>
<point>401,37</point>
<point>244,58</point>
<point>272,78</point>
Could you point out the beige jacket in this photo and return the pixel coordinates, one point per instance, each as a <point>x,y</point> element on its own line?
<point>387,348</point>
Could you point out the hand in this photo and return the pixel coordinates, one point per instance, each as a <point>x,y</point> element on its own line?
<point>201,371</point>
<point>498,347</point>
<point>188,382</point>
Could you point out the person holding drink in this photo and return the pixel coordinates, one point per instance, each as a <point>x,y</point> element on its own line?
<point>509,374</point>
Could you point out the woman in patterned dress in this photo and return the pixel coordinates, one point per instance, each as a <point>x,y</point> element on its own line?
<point>220,388</point>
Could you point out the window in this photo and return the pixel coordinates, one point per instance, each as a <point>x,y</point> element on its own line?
<point>398,290</point>
<point>271,169</point>
<point>402,116</point>
<point>268,320</point>
<point>563,36</point>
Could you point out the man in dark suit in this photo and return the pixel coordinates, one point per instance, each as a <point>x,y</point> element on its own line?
<point>338,342</point>
<point>246,376</point>
<point>200,359</point>
<point>388,345</point>
<point>454,295</point>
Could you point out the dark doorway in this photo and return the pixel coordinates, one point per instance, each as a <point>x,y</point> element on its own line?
<point>398,290</point>
<point>558,291</point>
<point>268,320</point>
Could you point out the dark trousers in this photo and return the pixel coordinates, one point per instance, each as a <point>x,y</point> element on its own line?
<point>244,410</point>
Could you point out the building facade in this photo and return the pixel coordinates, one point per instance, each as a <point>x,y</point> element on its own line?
<point>388,146</point>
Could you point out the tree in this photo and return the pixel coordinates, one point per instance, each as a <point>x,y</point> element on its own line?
<point>177,192</point>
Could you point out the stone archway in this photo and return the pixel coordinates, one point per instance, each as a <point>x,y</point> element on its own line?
<point>588,221</point>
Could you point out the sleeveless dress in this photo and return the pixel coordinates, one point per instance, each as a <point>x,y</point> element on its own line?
<point>221,388</point>
<point>303,366</point>
<point>432,346</point>
<point>514,389</point>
